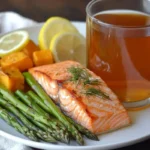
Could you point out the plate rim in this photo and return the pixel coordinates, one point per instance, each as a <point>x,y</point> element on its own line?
<point>68,147</point>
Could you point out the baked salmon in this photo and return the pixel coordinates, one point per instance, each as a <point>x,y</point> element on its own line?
<point>82,95</point>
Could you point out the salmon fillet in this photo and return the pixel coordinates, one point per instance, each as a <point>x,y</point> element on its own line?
<point>82,95</point>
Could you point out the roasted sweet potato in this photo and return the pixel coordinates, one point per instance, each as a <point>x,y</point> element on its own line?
<point>18,60</point>
<point>42,57</point>
<point>12,79</point>
<point>30,48</point>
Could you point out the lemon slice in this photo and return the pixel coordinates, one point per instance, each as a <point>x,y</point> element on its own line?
<point>51,27</point>
<point>69,46</point>
<point>13,41</point>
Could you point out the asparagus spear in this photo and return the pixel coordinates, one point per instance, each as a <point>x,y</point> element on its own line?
<point>83,130</point>
<point>39,101</point>
<point>41,134</point>
<point>44,127</point>
<point>31,103</point>
<point>28,101</point>
<point>14,122</point>
<point>63,134</point>
<point>54,109</point>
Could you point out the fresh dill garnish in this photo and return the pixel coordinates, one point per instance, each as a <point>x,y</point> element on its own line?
<point>91,81</point>
<point>76,73</point>
<point>82,74</point>
<point>96,92</point>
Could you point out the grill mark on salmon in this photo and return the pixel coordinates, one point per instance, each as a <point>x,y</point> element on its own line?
<point>96,113</point>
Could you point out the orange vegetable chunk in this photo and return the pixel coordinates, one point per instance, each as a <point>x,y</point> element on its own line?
<point>18,60</point>
<point>12,79</point>
<point>42,57</point>
<point>30,48</point>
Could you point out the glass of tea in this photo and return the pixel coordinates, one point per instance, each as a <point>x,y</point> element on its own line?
<point>118,45</point>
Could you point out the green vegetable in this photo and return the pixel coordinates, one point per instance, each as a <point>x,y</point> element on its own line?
<point>39,101</point>
<point>36,116</point>
<point>28,101</point>
<point>54,109</point>
<point>14,122</point>
<point>83,75</point>
<point>47,129</point>
<point>41,134</point>
<point>83,130</point>
<point>96,92</point>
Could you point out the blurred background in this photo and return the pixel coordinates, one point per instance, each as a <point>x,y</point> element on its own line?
<point>40,10</point>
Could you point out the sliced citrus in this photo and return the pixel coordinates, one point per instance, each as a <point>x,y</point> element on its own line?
<point>51,27</point>
<point>13,41</point>
<point>68,46</point>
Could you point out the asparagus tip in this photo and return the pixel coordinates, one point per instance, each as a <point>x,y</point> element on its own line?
<point>93,137</point>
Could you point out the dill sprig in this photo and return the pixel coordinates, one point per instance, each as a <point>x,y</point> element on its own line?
<point>82,74</point>
<point>96,92</point>
<point>91,81</point>
<point>75,72</point>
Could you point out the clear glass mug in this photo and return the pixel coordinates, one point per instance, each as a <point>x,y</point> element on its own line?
<point>120,54</point>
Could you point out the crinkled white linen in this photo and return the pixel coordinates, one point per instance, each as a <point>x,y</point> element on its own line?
<point>6,144</point>
<point>10,21</point>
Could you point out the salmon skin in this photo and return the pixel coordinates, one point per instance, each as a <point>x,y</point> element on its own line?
<point>82,95</point>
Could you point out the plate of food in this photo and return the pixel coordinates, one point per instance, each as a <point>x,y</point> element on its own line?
<point>50,100</point>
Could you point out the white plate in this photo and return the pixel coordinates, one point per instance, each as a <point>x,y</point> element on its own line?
<point>138,131</point>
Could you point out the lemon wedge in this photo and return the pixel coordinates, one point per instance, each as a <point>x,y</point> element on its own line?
<point>68,46</point>
<point>13,41</point>
<point>51,27</point>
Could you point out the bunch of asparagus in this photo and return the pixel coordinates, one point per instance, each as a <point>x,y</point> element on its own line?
<point>41,118</point>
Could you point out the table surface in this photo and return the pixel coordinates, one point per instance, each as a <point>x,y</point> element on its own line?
<point>40,10</point>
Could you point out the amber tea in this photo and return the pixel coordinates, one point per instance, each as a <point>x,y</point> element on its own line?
<point>118,44</point>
